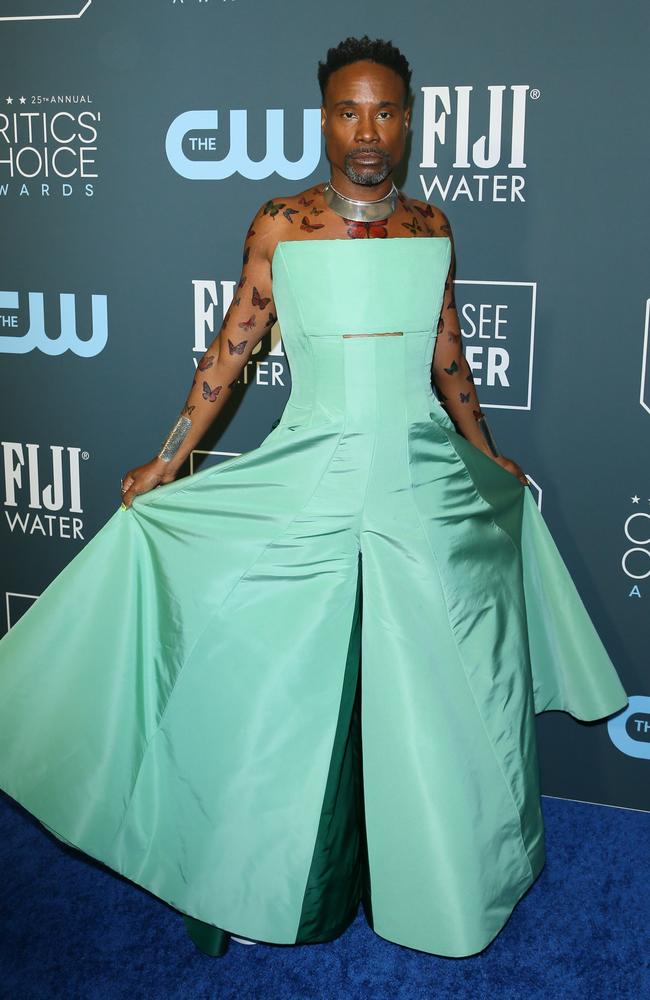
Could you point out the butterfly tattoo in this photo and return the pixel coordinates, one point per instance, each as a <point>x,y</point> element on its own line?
<point>288,212</point>
<point>367,230</point>
<point>273,207</point>
<point>236,348</point>
<point>206,363</point>
<point>450,370</point>
<point>464,397</point>
<point>211,394</point>
<point>248,324</point>
<point>310,226</point>
<point>260,301</point>
<point>426,212</point>
<point>413,227</point>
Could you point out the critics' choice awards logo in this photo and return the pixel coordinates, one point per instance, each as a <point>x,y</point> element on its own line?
<point>48,144</point>
<point>28,326</point>
<point>635,560</point>
<point>636,555</point>
<point>497,321</point>
<point>487,157</point>
<point>270,369</point>
<point>42,489</point>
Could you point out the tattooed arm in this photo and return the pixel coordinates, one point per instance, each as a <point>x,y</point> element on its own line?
<point>451,372</point>
<point>250,315</point>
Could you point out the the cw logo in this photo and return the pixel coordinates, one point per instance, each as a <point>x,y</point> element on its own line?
<point>237,160</point>
<point>36,337</point>
<point>629,731</point>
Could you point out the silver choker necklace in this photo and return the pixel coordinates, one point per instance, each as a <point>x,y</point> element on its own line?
<point>360,211</point>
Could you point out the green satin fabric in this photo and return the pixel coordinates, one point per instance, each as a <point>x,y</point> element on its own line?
<point>194,728</point>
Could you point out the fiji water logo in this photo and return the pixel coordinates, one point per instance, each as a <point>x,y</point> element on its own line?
<point>192,144</point>
<point>36,337</point>
<point>493,136</point>
<point>630,730</point>
<point>42,489</point>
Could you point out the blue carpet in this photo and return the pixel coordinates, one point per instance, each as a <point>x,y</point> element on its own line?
<point>70,928</point>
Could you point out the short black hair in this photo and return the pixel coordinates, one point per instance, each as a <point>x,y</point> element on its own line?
<point>352,50</point>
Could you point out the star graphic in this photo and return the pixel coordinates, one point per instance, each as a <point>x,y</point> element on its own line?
<point>23,100</point>
<point>10,100</point>
<point>635,498</point>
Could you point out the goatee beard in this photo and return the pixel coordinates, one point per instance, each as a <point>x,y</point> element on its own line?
<point>367,178</point>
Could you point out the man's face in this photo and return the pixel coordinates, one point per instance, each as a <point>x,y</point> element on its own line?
<point>364,121</point>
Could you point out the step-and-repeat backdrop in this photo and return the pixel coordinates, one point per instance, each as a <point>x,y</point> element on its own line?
<point>137,141</point>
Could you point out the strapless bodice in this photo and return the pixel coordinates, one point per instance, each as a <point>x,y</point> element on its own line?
<point>330,292</point>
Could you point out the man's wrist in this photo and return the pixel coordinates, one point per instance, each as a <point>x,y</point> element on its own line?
<point>169,468</point>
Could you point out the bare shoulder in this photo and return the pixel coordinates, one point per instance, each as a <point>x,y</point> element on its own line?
<point>278,218</point>
<point>432,215</point>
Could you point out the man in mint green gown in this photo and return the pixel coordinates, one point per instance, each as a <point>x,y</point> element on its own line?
<point>307,676</point>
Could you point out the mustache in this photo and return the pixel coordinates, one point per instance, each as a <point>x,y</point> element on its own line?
<point>365,152</point>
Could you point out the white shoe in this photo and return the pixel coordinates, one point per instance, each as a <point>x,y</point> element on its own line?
<point>243,940</point>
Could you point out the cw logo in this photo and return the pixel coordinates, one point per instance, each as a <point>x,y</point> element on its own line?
<point>237,160</point>
<point>630,731</point>
<point>37,339</point>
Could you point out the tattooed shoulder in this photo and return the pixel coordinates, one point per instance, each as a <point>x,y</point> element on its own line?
<point>430,216</point>
<point>275,220</point>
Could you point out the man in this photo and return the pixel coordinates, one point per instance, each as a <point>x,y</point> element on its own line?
<point>223,618</point>
<point>365,118</point>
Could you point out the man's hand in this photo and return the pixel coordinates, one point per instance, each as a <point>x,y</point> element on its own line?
<point>144,478</point>
<point>510,465</point>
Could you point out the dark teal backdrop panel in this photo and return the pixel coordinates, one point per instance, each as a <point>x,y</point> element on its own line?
<point>137,141</point>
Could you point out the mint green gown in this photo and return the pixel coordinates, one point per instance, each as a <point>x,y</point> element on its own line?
<point>308,676</point>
